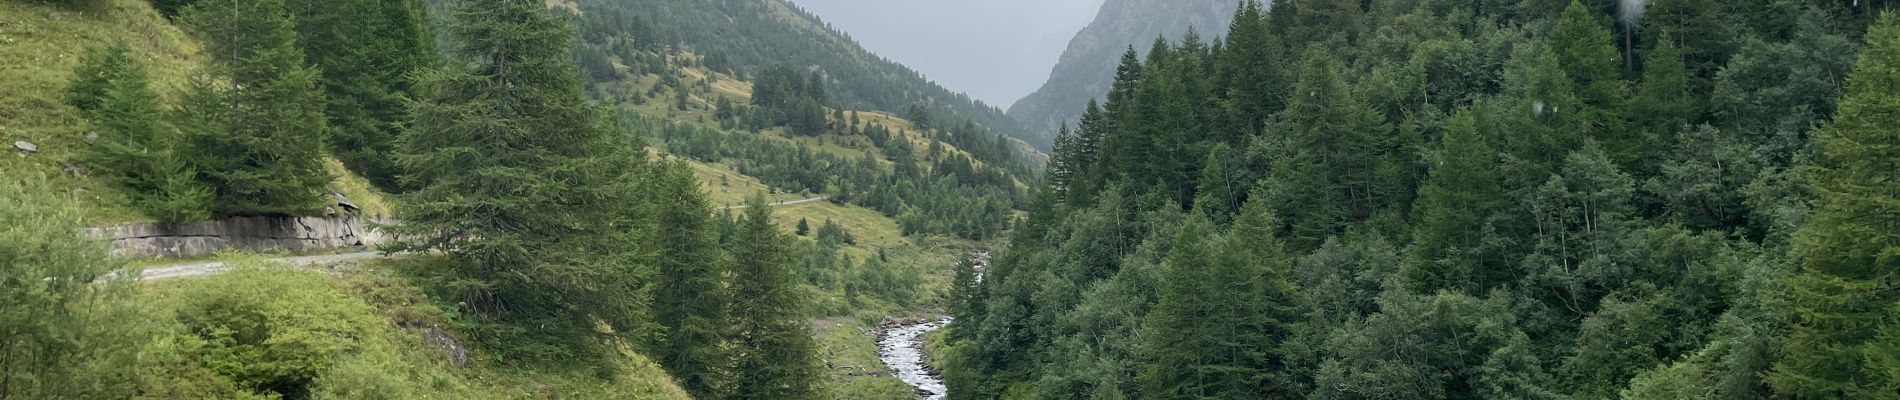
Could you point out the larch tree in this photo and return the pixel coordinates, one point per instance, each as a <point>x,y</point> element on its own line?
<point>689,298</point>
<point>1181,362</point>
<point>1586,50</point>
<point>1850,246</point>
<point>776,355</point>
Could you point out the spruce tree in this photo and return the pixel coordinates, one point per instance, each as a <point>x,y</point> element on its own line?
<point>111,89</point>
<point>1586,51</point>
<point>689,298</point>
<point>1062,164</point>
<point>1843,296</point>
<point>1329,146</point>
<point>1662,107</point>
<point>1221,313</point>
<point>254,121</point>
<point>1247,70</point>
<point>966,299</point>
<point>1179,350</point>
<point>368,52</point>
<point>1218,193</point>
<point>520,183</point>
<point>1256,270</point>
<point>777,358</point>
<point>1452,219</point>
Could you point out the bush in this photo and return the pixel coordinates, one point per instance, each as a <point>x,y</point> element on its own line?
<point>273,331</point>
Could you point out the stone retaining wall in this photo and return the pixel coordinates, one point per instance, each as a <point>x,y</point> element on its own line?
<point>256,234</point>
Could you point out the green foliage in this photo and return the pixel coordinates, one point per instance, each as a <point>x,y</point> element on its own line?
<point>1476,203</point>
<point>272,332</point>
<point>776,356</point>
<point>59,331</point>
<point>171,8</point>
<point>519,181</point>
<point>112,90</point>
<point>1330,145</point>
<point>792,100</point>
<point>832,234</point>
<point>1457,245</point>
<point>1846,246</point>
<point>253,123</point>
<point>690,299</point>
<point>368,54</point>
<point>1233,299</point>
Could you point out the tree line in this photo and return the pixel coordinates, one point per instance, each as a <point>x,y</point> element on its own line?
<point>1421,199</point>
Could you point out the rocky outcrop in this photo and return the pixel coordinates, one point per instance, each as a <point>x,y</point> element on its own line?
<point>256,234</point>
<point>1087,67</point>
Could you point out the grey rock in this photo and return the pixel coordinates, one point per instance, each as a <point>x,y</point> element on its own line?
<point>457,354</point>
<point>345,202</point>
<point>26,147</point>
<point>92,136</point>
<point>76,170</point>
<point>1087,68</point>
<point>255,234</point>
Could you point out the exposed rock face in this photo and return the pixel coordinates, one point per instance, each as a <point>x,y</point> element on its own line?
<point>1087,67</point>
<point>259,234</point>
<point>451,348</point>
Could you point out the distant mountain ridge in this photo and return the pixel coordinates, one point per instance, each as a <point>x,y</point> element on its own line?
<point>750,34</point>
<point>1088,65</point>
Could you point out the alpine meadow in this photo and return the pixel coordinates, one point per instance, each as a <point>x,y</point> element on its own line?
<point>737,200</point>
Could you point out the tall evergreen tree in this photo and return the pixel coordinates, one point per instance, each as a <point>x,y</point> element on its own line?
<point>254,122</point>
<point>111,89</point>
<point>1182,363</point>
<point>689,297</point>
<point>777,358</point>
<point>1662,107</point>
<point>1329,144</point>
<point>1453,236</point>
<point>1848,247</point>
<point>1247,69</point>
<point>1255,265</point>
<point>368,52</point>
<point>1063,165</point>
<point>1586,50</point>
<point>521,184</point>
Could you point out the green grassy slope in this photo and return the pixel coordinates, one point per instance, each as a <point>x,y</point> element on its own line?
<point>376,336</point>
<point>40,44</point>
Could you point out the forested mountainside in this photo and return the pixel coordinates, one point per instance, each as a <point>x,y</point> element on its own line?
<point>747,36</point>
<point>1425,199</point>
<point>545,249</point>
<point>1087,67</point>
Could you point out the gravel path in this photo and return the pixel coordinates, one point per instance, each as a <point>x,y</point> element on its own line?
<point>783,203</point>
<point>162,272</point>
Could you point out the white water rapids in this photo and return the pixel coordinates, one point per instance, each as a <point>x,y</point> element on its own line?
<point>902,349</point>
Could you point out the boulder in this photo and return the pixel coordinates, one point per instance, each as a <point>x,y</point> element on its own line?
<point>26,147</point>
<point>76,170</point>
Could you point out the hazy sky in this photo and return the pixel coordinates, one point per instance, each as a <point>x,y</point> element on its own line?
<point>995,50</point>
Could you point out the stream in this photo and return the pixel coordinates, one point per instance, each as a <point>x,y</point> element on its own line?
<point>901,349</point>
